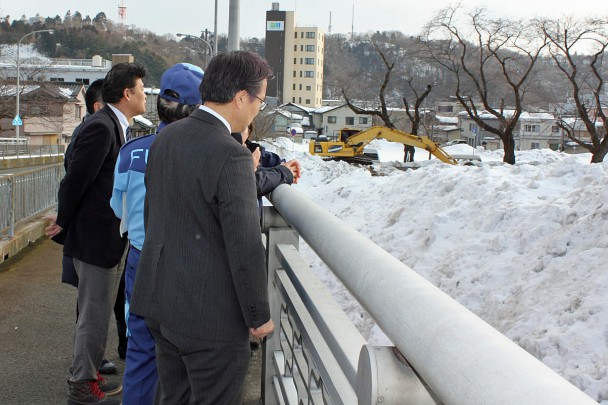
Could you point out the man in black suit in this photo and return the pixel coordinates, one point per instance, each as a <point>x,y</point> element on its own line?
<point>92,236</point>
<point>201,279</point>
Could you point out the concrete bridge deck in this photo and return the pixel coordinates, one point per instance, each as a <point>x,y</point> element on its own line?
<point>37,315</point>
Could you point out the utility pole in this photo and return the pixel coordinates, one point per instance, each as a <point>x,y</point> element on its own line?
<point>17,121</point>
<point>234,23</point>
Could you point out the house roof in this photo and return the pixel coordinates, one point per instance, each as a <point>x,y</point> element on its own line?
<point>52,90</point>
<point>307,110</point>
<point>288,114</point>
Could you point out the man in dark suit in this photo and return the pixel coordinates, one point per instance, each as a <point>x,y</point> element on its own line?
<point>92,236</point>
<point>201,279</point>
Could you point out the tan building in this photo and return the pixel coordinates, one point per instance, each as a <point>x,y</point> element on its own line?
<point>296,57</point>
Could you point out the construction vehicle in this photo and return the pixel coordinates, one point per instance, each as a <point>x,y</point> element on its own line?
<point>352,142</point>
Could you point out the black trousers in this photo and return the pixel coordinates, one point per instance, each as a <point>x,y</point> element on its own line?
<point>197,371</point>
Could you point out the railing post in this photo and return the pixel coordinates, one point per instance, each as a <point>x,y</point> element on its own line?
<point>11,211</point>
<point>275,234</point>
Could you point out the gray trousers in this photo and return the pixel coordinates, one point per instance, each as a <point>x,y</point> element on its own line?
<point>97,289</point>
<point>196,371</point>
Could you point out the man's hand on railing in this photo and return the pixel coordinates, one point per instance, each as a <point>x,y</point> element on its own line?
<point>295,168</point>
<point>53,229</point>
<point>263,330</point>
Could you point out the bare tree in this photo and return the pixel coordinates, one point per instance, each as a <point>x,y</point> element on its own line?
<point>491,64</point>
<point>586,75</point>
<point>381,113</point>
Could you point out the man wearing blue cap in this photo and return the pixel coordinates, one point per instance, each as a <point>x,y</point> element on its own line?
<point>179,96</point>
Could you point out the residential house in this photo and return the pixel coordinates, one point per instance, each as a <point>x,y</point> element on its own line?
<point>533,131</point>
<point>49,111</point>
<point>331,119</point>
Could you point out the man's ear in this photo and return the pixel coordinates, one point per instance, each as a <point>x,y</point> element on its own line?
<point>240,98</point>
<point>125,94</point>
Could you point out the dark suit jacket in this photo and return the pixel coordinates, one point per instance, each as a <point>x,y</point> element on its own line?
<point>202,268</point>
<point>91,230</point>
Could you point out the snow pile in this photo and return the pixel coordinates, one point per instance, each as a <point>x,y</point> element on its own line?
<point>523,246</point>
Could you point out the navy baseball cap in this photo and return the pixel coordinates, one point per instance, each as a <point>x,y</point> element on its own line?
<point>180,83</point>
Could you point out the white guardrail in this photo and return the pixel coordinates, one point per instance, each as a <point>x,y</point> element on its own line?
<point>443,353</point>
<point>25,194</point>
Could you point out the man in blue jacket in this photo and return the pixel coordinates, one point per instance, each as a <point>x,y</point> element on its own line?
<point>178,97</point>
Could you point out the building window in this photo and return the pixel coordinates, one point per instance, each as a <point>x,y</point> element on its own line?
<point>555,129</point>
<point>307,101</point>
<point>309,73</point>
<point>301,35</point>
<point>350,120</point>
<point>301,61</point>
<point>300,100</point>
<point>295,35</point>
<point>309,61</point>
<point>294,86</point>
<point>310,35</point>
<point>531,128</point>
<point>331,120</point>
<point>308,88</point>
<point>294,73</point>
<point>363,120</point>
<point>301,48</point>
<point>472,127</point>
<point>300,73</point>
<point>300,87</point>
<point>38,110</point>
<point>83,81</point>
<point>535,145</point>
<point>295,61</point>
<point>295,48</point>
<point>293,99</point>
<point>445,108</point>
<point>78,112</point>
<point>57,79</point>
<point>310,48</point>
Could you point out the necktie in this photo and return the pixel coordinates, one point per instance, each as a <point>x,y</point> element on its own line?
<point>128,134</point>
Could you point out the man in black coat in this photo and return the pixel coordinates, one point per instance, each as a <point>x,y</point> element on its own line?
<point>92,236</point>
<point>201,279</point>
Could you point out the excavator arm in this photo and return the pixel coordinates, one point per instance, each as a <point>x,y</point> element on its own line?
<point>353,145</point>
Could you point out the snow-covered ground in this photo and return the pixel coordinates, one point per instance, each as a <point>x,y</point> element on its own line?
<point>523,246</point>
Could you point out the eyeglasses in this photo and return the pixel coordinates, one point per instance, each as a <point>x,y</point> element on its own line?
<point>263,103</point>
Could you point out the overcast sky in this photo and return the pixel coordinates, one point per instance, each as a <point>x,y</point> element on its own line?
<point>191,17</point>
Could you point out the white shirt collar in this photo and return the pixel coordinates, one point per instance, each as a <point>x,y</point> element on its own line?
<point>215,114</point>
<point>124,122</point>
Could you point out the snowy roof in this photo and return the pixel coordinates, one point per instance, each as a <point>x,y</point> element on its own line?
<point>143,120</point>
<point>324,109</point>
<point>446,120</point>
<point>301,107</point>
<point>288,114</point>
<point>525,116</point>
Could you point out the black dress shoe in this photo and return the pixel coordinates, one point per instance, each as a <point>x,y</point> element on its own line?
<point>107,367</point>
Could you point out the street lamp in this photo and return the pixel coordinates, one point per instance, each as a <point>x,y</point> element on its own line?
<point>19,72</point>
<point>200,39</point>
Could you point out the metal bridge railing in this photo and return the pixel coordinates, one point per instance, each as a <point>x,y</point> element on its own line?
<point>443,353</point>
<point>26,194</point>
<point>21,150</point>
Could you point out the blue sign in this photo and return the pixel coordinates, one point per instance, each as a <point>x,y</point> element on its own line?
<point>17,121</point>
<point>293,132</point>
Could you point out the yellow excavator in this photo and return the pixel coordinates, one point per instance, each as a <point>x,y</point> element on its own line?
<point>352,143</point>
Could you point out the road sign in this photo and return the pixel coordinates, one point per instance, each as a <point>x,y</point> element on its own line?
<point>17,121</point>
<point>293,132</point>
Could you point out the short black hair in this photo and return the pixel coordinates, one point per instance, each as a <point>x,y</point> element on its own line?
<point>231,72</point>
<point>93,95</point>
<point>121,76</point>
<point>171,111</point>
